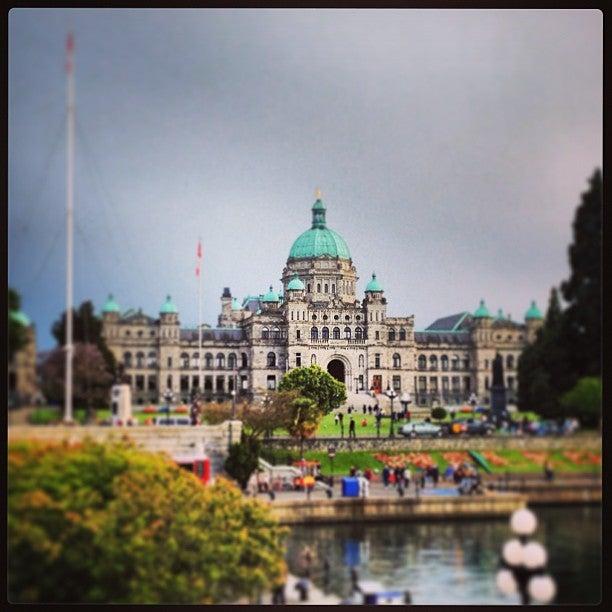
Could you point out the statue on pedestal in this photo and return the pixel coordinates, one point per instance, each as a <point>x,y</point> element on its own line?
<point>498,390</point>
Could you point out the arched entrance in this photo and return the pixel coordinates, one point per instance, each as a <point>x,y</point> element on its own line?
<point>336,368</point>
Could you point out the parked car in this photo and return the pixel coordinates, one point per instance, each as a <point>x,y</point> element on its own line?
<point>454,428</point>
<point>479,428</point>
<point>422,428</point>
<point>172,420</point>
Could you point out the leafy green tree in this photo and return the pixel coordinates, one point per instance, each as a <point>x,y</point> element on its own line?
<point>91,380</point>
<point>93,523</point>
<point>17,337</point>
<point>304,419</point>
<point>316,384</point>
<point>582,291</point>
<point>243,459</point>
<point>87,329</point>
<point>583,401</point>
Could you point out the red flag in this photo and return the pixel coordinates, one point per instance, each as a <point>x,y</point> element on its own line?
<point>199,258</point>
<point>199,250</point>
<point>69,51</point>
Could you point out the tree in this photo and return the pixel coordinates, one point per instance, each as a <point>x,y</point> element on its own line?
<point>91,380</point>
<point>582,291</point>
<point>304,419</point>
<point>92,523</point>
<point>18,336</point>
<point>86,328</point>
<point>316,384</point>
<point>584,401</point>
<point>243,459</point>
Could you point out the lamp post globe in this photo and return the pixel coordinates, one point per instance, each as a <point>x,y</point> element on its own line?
<point>542,588</point>
<point>523,522</point>
<point>391,394</point>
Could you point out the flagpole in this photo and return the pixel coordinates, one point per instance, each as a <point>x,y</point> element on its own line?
<point>69,221</point>
<point>200,381</point>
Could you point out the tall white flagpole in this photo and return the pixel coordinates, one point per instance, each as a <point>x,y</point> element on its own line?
<point>69,221</point>
<point>200,381</point>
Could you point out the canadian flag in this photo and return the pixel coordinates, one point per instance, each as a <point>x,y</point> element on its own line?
<point>69,51</point>
<point>198,258</point>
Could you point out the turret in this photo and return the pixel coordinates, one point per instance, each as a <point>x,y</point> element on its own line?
<point>168,320</point>
<point>295,289</point>
<point>270,300</point>
<point>533,321</point>
<point>482,324</point>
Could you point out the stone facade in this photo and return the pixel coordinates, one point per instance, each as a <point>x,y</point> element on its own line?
<point>317,319</point>
<point>23,382</point>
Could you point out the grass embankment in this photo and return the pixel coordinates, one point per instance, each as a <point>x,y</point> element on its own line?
<point>511,461</point>
<point>50,415</point>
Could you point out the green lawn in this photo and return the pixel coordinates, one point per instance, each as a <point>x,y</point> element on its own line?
<point>53,414</point>
<point>517,463</point>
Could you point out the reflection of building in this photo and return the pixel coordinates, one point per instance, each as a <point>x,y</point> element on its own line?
<point>319,319</point>
<point>23,386</point>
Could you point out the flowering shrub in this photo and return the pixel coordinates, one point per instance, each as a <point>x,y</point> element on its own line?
<point>494,458</point>
<point>535,457</point>
<point>420,460</point>
<point>456,458</point>
<point>149,410</point>
<point>181,409</point>
<point>583,457</point>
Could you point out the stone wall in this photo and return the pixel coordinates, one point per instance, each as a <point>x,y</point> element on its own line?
<point>172,440</point>
<point>590,442</point>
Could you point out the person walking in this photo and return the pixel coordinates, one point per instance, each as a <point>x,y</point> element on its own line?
<point>352,433</point>
<point>378,420</point>
<point>278,590</point>
<point>369,409</point>
<point>399,476</point>
<point>385,476</point>
<point>407,477</point>
<point>435,474</point>
<point>341,422</point>
<point>364,409</point>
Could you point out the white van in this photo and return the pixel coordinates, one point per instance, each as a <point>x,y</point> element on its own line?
<point>172,420</point>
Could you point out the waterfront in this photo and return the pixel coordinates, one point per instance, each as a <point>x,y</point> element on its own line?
<point>455,562</point>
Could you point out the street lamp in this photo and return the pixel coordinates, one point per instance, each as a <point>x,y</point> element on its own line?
<point>168,396</point>
<point>331,453</point>
<point>404,401</point>
<point>523,563</point>
<point>391,394</point>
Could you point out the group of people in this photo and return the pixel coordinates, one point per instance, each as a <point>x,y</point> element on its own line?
<point>366,409</point>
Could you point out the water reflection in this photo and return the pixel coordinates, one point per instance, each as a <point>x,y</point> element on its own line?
<point>455,563</point>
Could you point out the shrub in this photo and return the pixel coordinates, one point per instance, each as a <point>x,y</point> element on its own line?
<point>438,413</point>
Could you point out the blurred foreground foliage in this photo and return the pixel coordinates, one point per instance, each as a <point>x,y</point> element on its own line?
<point>110,523</point>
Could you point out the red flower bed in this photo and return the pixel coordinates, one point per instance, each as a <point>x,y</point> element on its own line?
<point>583,457</point>
<point>420,460</point>
<point>149,410</point>
<point>181,409</point>
<point>455,459</point>
<point>494,458</point>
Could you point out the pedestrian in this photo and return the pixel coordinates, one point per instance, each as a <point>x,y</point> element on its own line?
<point>352,433</point>
<point>341,422</point>
<point>364,486</point>
<point>364,409</point>
<point>385,476</point>
<point>448,472</point>
<point>369,409</point>
<point>352,471</point>
<point>354,580</point>
<point>278,591</point>
<point>407,477</point>
<point>399,476</point>
<point>548,471</point>
<point>435,474</point>
<point>423,479</point>
<point>326,573</point>
<point>336,419</point>
<point>367,474</point>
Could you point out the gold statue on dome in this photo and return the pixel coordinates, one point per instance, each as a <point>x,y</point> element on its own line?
<point>318,194</point>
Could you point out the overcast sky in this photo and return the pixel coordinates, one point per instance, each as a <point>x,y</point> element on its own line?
<point>451,148</point>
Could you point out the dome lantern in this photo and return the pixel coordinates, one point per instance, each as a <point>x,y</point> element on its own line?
<point>271,296</point>
<point>373,285</point>
<point>168,307</point>
<point>110,305</point>
<point>482,312</point>
<point>533,312</point>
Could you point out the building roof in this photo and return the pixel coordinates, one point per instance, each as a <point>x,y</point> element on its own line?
<point>442,337</point>
<point>168,307</point>
<point>271,296</point>
<point>373,285</point>
<point>533,312</point>
<point>456,322</point>
<point>110,305</point>
<point>295,284</point>
<point>236,304</point>
<point>319,240</point>
<point>482,312</point>
<point>252,303</point>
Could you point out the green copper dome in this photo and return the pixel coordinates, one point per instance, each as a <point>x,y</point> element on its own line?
<point>20,317</point>
<point>295,284</point>
<point>111,305</point>
<point>373,285</point>
<point>319,240</point>
<point>271,296</point>
<point>533,312</point>
<point>236,304</point>
<point>500,315</point>
<point>482,311</point>
<point>168,307</point>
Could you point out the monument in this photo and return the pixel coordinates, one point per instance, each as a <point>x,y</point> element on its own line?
<point>498,390</point>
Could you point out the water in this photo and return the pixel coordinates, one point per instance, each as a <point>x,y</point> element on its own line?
<point>455,562</point>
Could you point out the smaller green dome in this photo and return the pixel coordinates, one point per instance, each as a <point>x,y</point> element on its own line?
<point>111,305</point>
<point>482,312</point>
<point>295,284</point>
<point>20,317</point>
<point>168,307</point>
<point>373,285</point>
<point>271,296</point>
<point>500,315</point>
<point>236,304</point>
<point>533,312</point>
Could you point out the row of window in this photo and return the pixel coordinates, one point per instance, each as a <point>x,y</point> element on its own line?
<point>187,361</point>
<point>335,333</point>
<point>510,363</point>
<point>455,383</point>
<point>455,363</point>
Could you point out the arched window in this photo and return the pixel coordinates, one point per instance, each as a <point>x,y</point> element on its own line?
<point>422,362</point>
<point>184,360</point>
<point>308,287</point>
<point>265,333</point>
<point>444,362</point>
<point>433,362</point>
<point>313,360</point>
<point>402,334</point>
<point>220,360</point>
<point>325,333</point>
<point>271,360</point>
<point>455,362</point>
<point>152,360</point>
<point>314,333</point>
<point>397,361</point>
<point>358,333</point>
<point>245,360</point>
<point>231,361</point>
<point>510,362</point>
<point>318,287</point>
<point>326,288</point>
<point>347,333</point>
<point>208,360</point>
<point>275,333</point>
<point>336,333</point>
<point>391,335</point>
<point>333,288</point>
<point>195,360</point>
<point>361,361</point>
<point>127,360</point>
